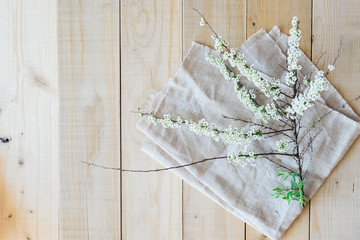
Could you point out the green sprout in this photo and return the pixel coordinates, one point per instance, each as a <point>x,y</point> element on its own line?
<point>295,192</point>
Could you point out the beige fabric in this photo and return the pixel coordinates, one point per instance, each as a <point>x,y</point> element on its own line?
<point>198,90</point>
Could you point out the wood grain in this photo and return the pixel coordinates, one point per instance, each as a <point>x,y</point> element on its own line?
<point>150,54</point>
<point>29,118</point>
<point>335,209</point>
<point>266,14</point>
<point>60,99</point>
<point>204,219</point>
<point>89,93</point>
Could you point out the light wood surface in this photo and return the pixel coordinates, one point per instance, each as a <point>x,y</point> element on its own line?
<point>150,54</point>
<point>336,206</point>
<point>89,119</point>
<point>71,73</point>
<point>29,117</point>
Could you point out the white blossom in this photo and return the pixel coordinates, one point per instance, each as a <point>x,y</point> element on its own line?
<point>220,64</point>
<point>293,52</point>
<point>202,22</point>
<point>282,146</point>
<point>273,111</point>
<point>229,135</point>
<point>270,88</point>
<point>290,78</point>
<point>306,81</point>
<point>242,158</point>
<point>220,43</point>
<point>331,68</point>
<point>166,122</point>
<point>152,118</point>
<point>247,97</point>
<point>294,21</point>
<point>312,93</point>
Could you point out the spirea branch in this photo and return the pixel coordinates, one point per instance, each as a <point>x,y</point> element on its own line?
<point>280,116</point>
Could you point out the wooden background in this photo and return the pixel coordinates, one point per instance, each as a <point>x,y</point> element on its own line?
<point>71,72</point>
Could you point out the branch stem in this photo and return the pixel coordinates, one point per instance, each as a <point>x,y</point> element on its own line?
<point>211,159</point>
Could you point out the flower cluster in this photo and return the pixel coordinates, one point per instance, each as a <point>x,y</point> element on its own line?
<point>247,97</point>
<point>228,135</point>
<point>293,52</point>
<point>242,158</point>
<point>220,64</point>
<point>312,93</point>
<point>166,122</point>
<point>220,43</point>
<point>202,22</point>
<point>270,89</point>
<point>273,111</point>
<point>331,68</point>
<point>282,146</point>
<point>290,78</point>
<point>204,128</point>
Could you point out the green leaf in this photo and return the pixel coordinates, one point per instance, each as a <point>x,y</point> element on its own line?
<point>275,195</point>
<point>289,195</point>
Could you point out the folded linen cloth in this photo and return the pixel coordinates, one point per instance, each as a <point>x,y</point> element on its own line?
<point>198,90</point>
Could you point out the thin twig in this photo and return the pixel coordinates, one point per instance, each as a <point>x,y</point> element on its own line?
<point>207,23</point>
<point>339,50</point>
<point>190,164</point>
<point>326,114</point>
<point>309,145</point>
<point>320,57</point>
<point>285,103</point>
<point>100,166</point>
<point>283,67</point>
<point>206,160</point>
<point>173,167</point>
<point>248,121</point>
<point>286,95</point>
<point>278,164</point>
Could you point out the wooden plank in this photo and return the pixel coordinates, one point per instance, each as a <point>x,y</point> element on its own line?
<point>89,88</point>
<point>335,209</point>
<point>28,117</point>
<point>150,54</point>
<point>204,219</point>
<point>266,14</point>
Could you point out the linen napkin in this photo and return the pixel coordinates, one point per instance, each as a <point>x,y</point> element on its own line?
<point>198,90</point>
